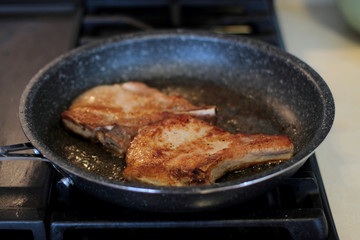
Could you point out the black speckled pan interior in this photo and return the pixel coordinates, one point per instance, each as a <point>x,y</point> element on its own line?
<point>257,88</point>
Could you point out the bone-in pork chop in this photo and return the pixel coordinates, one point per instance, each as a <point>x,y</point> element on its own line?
<point>112,114</point>
<point>184,151</point>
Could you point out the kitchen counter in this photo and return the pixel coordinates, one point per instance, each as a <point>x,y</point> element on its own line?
<point>316,32</point>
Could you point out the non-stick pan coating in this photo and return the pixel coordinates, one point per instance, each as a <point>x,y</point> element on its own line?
<point>278,89</point>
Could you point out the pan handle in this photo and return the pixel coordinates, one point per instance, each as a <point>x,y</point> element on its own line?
<point>12,152</point>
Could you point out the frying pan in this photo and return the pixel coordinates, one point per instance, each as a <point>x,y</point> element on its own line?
<point>260,89</point>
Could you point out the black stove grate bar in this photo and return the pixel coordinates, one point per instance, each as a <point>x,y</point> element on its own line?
<point>104,19</point>
<point>252,5</point>
<point>35,7</point>
<point>313,220</point>
<point>22,224</point>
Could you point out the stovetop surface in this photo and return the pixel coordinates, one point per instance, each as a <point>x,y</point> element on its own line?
<point>33,201</point>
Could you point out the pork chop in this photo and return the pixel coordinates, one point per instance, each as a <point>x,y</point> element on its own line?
<point>112,114</point>
<point>184,151</point>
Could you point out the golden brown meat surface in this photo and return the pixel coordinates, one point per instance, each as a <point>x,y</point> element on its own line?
<point>184,151</point>
<point>112,114</point>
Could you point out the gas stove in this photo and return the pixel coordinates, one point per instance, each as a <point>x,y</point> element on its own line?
<point>36,202</point>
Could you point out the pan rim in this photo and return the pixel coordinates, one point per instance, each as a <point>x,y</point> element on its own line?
<point>327,121</point>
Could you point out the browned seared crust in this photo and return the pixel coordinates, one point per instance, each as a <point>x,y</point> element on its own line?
<point>112,114</point>
<point>184,151</point>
